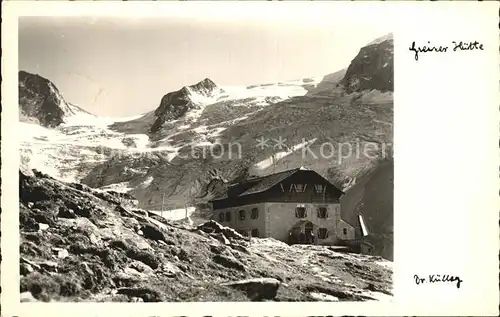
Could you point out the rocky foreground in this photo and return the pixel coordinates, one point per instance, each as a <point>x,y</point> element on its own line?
<point>80,244</point>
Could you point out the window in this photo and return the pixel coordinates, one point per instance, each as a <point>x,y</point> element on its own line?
<point>322,233</point>
<point>221,217</point>
<point>345,231</point>
<point>297,188</point>
<point>319,189</point>
<point>242,215</point>
<point>255,213</point>
<point>322,212</point>
<point>228,216</point>
<point>300,212</point>
<point>255,233</point>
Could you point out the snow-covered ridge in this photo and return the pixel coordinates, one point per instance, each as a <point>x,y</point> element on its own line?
<point>69,150</point>
<point>382,39</point>
<point>282,90</point>
<point>79,140</point>
<point>203,98</point>
<point>84,139</point>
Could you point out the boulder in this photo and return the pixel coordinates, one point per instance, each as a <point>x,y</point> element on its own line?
<point>322,297</point>
<point>152,232</point>
<point>25,268</point>
<point>228,262</point>
<point>214,227</point>
<point>258,288</point>
<point>27,297</point>
<point>146,294</point>
<point>43,226</point>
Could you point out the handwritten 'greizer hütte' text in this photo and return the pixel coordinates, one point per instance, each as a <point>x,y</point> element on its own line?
<point>456,46</point>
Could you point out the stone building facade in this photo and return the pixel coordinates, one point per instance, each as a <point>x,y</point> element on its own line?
<point>287,206</point>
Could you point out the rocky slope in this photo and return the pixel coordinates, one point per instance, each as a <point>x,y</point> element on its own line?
<point>80,244</point>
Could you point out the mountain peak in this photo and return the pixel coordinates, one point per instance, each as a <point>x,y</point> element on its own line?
<point>176,104</point>
<point>381,39</point>
<point>37,83</point>
<point>40,100</point>
<point>372,68</point>
<point>207,81</point>
<point>205,87</point>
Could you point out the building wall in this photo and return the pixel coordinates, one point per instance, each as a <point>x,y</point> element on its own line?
<point>349,233</point>
<point>282,218</point>
<point>245,225</point>
<point>276,219</point>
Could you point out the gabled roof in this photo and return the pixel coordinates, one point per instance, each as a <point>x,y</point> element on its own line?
<point>269,181</point>
<point>255,184</point>
<point>258,184</point>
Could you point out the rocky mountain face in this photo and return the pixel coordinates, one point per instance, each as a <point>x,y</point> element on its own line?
<point>82,244</point>
<point>372,68</point>
<point>175,105</point>
<point>41,101</point>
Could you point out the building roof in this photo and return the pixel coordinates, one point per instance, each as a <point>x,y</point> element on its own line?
<point>268,181</point>
<point>257,184</point>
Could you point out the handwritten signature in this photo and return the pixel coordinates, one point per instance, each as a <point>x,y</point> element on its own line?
<point>456,46</point>
<point>438,278</point>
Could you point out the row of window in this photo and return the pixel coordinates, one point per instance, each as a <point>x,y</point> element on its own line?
<point>300,212</point>
<point>319,189</point>
<point>227,216</point>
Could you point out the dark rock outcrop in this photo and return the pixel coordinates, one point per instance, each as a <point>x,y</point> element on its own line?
<point>206,87</point>
<point>40,101</point>
<point>176,104</point>
<point>214,227</point>
<point>372,68</point>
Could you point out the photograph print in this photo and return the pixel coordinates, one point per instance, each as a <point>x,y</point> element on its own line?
<point>191,160</point>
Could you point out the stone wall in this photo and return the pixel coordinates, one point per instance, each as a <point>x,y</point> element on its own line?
<point>282,218</point>
<point>276,219</point>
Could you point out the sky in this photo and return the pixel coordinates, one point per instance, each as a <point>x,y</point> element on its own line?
<point>122,66</point>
